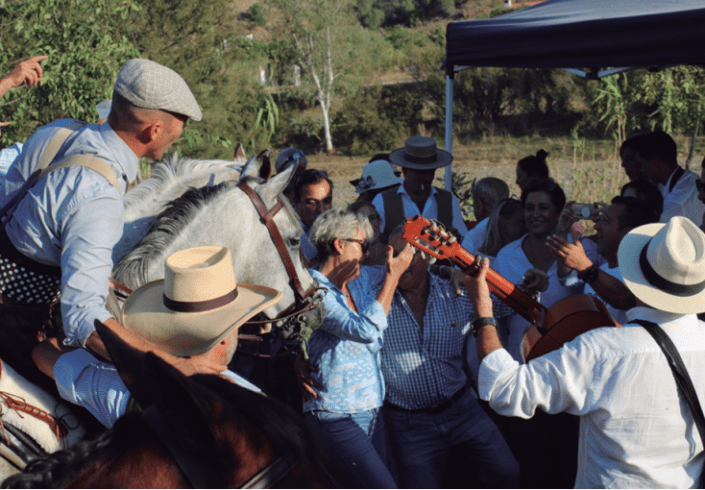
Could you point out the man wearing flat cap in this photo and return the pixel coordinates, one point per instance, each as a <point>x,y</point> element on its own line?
<point>637,428</point>
<point>419,160</point>
<point>58,239</point>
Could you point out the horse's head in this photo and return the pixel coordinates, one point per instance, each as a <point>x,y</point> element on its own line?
<point>301,305</point>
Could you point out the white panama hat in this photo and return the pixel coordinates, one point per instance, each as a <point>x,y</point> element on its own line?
<point>197,303</point>
<point>664,265</point>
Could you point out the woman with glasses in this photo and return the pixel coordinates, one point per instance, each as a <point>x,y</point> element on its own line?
<point>345,350</point>
<point>377,251</point>
<point>542,204</point>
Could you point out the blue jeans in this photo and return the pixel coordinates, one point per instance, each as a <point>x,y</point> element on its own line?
<point>421,442</point>
<point>359,439</point>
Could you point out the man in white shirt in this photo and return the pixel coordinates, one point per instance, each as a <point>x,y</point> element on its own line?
<point>486,194</point>
<point>419,160</point>
<point>605,281</point>
<point>636,430</point>
<point>194,312</point>
<point>657,153</point>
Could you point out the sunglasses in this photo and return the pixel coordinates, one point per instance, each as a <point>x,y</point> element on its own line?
<point>364,244</point>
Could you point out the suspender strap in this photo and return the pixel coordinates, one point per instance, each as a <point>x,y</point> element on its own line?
<point>445,208</point>
<point>56,142</point>
<point>677,175</point>
<point>393,211</point>
<point>95,164</point>
<point>680,373</point>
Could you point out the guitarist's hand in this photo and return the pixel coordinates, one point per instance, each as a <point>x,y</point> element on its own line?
<point>572,255</point>
<point>535,281</point>
<point>475,281</point>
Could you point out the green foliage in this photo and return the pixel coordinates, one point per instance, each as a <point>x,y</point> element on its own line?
<point>377,118</point>
<point>259,14</point>
<point>497,12</point>
<point>85,42</point>
<point>370,17</point>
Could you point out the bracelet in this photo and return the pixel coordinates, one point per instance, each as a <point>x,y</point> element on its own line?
<point>478,323</point>
<point>590,274</point>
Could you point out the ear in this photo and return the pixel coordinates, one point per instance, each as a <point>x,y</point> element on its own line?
<point>155,128</point>
<point>240,152</point>
<point>265,169</point>
<point>269,191</point>
<point>251,168</point>
<point>338,245</point>
<point>128,362</point>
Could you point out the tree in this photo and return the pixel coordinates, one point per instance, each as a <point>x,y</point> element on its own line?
<point>328,44</point>
<point>86,46</point>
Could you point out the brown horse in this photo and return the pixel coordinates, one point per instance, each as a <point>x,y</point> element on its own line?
<point>202,432</point>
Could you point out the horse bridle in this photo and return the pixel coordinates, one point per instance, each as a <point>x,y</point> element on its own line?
<point>303,300</point>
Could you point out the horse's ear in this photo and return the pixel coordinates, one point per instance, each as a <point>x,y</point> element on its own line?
<point>128,362</point>
<point>182,406</point>
<point>269,191</point>
<point>251,169</point>
<point>240,152</point>
<point>265,169</point>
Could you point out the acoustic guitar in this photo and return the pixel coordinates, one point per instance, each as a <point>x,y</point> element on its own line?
<point>551,327</point>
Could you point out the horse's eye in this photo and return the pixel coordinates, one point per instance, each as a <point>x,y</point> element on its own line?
<point>294,242</point>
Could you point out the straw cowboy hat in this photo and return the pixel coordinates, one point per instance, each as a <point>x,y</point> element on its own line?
<point>197,303</point>
<point>376,175</point>
<point>420,153</point>
<point>664,265</point>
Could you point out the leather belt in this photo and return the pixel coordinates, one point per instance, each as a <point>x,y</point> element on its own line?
<point>434,409</point>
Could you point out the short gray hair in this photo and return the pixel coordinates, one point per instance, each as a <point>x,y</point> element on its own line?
<point>336,223</point>
<point>490,191</point>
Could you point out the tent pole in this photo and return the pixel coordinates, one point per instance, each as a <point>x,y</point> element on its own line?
<point>449,125</point>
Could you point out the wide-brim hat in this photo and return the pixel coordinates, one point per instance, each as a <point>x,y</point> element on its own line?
<point>664,265</point>
<point>149,85</point>
<point>197,303</point>
<point>421,153</point>
<point>376,175</point>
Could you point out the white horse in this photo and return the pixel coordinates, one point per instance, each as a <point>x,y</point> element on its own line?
<point>169,180</point>
<point>221,214</point>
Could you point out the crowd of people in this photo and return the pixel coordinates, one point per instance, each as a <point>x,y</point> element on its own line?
<point>417,377</point>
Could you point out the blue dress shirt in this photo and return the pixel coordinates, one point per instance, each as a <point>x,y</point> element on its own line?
<point>346,347</point>
<point>72,218</point>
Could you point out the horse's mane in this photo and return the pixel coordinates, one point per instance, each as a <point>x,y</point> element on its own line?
<point>169,223</point>
<point>168,171</point>
<point>259,418</point>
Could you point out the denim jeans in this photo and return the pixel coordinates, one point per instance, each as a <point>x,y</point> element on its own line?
<point>421,442</point>
<point>359,439</point>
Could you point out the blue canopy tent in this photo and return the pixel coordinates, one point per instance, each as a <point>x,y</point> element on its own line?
<point>590,38</point>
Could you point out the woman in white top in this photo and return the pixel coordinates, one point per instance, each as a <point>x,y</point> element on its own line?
<point>543,201</point>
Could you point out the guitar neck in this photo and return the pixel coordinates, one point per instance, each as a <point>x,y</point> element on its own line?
<point>510,294</point>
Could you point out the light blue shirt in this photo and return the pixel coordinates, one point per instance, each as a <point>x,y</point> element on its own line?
<point>84,380</point>
<point>346,347</point>
<point>73,218</point>
<point>7,156</point>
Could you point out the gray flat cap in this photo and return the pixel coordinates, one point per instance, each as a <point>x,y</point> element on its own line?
<point>150,85</point>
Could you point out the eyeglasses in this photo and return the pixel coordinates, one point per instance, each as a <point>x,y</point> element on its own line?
<point>699,184</point>
<point>364,244</point>
<point>541,185</point>
<point>309,176</point>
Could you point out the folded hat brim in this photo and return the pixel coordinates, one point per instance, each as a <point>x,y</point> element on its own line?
<point>443,158</point>
<point>184,334</point>
<point>628,259</point>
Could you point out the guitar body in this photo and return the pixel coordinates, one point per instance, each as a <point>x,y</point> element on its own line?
<point>551,328</point>
<point>568,318</point>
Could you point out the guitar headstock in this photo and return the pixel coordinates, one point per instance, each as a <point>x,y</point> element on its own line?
<point>431,237</point>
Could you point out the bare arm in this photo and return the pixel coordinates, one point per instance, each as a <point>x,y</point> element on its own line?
<point>47,353</point>
<point>487,337</point>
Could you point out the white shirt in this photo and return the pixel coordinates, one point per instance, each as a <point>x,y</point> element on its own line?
<point>430,209</point>
<point>476,237</point>
<point>636,430</point>
<point>512,263</point>
<point>683,199</point>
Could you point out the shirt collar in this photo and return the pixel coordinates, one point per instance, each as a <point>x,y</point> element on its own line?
<point>122,154</point>
<point>402,190</point>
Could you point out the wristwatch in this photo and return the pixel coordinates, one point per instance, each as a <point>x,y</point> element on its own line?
<point>590,274</point>
<point>478,323</point>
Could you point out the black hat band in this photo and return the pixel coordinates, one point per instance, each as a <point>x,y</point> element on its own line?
<point>658,281</point>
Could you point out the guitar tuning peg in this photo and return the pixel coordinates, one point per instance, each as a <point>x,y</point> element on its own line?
<point>452,239</point>
<point>444,234</point>
<point>433,261</point>
<point>434,226</point>
<point>423,255</point>
<point>414,249</point>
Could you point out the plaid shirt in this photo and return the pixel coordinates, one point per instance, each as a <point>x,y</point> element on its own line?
<point>423,367</point>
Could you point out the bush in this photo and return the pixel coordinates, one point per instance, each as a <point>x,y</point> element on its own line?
<point>259,14</point>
